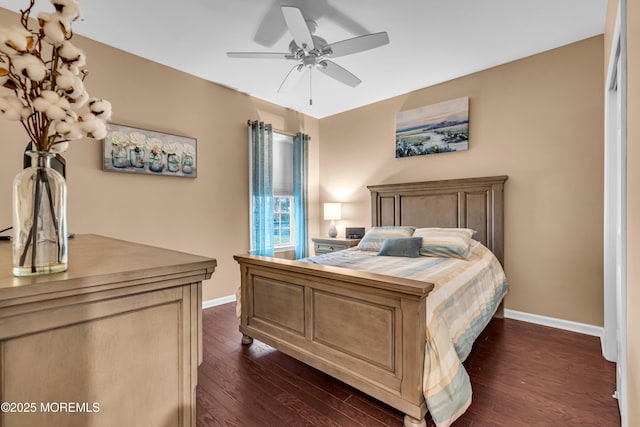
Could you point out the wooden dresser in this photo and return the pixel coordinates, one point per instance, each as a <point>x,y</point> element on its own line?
<point>114,341</point>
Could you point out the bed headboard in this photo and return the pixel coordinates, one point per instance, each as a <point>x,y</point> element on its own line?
<point>476,203</point>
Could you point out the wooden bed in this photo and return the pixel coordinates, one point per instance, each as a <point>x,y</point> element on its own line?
<point>366,329</point>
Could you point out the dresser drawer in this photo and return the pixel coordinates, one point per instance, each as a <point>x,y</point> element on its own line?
<point>323,248</point>
<point>324,245</point>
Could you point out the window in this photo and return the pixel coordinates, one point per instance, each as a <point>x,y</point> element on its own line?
<point>278,218</point>
<point>283,191</point>
<point>283,221</point>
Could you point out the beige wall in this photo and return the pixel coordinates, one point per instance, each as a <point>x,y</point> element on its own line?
<point>206,216</point>
<point>538,120</point>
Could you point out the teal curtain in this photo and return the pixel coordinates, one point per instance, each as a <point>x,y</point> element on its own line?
<point>261,176</point>
<point>300,172</point>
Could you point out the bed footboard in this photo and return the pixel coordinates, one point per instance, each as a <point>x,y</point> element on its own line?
<point>364,329</point>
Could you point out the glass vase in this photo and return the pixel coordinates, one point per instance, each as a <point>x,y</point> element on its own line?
<point>187,164</point>
<point>173,162</point>
<point>119,157</point>
<point>155,162</point>
<point>39,218</point>
<point>136,157</point>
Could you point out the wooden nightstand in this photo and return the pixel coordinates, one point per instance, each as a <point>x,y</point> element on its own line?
<point>323,245</point>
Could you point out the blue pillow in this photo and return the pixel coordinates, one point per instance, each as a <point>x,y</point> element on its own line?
<point>403,246</point>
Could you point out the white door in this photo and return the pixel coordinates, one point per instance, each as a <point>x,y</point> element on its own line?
<point>614,341</point>
<point>621,246</point>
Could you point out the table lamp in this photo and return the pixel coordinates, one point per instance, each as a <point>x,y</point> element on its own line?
<point>332,211</point>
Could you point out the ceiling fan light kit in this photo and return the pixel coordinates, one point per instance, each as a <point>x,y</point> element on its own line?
<point>311,51</point>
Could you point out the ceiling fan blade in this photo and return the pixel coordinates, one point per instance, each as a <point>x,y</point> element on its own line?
<point>356,44</point>
<point>272,27</point>
<point>260,55</point>
<point>292,77</point>
<point>335,71</point>
<point>297,26</point>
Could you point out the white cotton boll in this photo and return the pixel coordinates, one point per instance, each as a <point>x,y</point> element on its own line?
<point>4,90</point>
<point>71,117</point>
<point>54,32</point>
<point>65,78</point>
<point>42,102</point>
<point>15,39</point>
<point>93,126</point>
<point>100,108</point>
<point>75,132</point>
<point>66,124</point>
<point>61,127</point>
<point>36,71</point>
<point>100,132</point>
<point>46,98</point>
<point>55,112</point>
<point>60,147</point>
<point>80,61</point>
<point>72,55</point>
<point>68,127</point>
<point>30,66</point>
<point>22,38</point>
<point>72,86</point>
<point>11,108</point>
<point>55,28</point>
<point>87,121</point>
<point>6,46</point>
<point>51,104</point>
<point>81,99</point>
<point>68,8</point>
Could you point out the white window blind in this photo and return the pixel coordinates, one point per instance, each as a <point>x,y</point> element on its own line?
<point>282,165</point>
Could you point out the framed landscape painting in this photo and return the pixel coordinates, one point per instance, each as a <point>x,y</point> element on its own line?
<point>141,151</point>
<point>436,128</point>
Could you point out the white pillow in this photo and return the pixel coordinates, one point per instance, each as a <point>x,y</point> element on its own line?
<point>375,237</point>
<point>445,242</point>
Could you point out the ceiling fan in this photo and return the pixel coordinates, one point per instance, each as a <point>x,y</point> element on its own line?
<point>311,51</point>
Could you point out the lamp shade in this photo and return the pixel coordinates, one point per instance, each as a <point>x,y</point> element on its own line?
<point>332,211</point>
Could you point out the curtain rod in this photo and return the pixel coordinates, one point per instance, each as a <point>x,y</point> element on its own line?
<point>283,132</point>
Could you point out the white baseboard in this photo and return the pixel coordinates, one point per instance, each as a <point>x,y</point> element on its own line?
<point>552,322</point>
<point>218,301</point>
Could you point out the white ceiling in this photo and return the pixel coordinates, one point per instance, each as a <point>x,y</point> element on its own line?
<point>431,41</point>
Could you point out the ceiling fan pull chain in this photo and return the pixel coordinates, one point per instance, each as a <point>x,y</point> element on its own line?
<point>310,86</point>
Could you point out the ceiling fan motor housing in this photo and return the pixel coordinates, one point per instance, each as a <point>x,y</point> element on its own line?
<point>320,48</point>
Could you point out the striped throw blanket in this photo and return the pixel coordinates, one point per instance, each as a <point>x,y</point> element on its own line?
<point>465,297</point>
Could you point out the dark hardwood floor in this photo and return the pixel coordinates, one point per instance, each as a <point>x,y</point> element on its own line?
<point>521,374</point>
